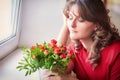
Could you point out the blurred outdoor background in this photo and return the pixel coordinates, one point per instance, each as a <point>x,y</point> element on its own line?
<point>114,7</point>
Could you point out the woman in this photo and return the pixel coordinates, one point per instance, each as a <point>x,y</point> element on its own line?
<point>95,41</point>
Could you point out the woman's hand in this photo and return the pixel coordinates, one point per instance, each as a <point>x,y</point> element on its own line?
<point>49,75</point>
<point>54,76</point>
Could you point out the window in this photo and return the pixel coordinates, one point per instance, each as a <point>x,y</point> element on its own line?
<point>9,10</point>
<point>9,27</point>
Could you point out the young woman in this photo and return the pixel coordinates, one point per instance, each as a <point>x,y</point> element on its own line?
<point>95,42</point>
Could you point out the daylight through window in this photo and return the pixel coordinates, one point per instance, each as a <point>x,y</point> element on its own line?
<point>8,19</point>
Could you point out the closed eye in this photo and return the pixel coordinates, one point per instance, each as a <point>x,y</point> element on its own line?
<point>70,17</point>
<point>81,20</point>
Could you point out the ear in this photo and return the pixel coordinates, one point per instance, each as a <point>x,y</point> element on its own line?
<point>96,27</point>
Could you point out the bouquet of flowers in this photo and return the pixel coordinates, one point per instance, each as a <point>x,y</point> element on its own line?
<point>47,55</point>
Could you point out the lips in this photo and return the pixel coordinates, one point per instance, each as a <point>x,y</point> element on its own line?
<point>73,31</point>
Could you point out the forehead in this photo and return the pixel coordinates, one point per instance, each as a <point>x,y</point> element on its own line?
<point>75,10</point>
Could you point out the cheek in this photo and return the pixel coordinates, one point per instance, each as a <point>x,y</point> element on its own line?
<point>86,31</point>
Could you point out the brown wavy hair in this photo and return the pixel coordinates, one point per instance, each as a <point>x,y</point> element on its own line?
<point>96,12</point>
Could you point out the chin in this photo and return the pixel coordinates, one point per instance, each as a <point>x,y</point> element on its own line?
<point>73,38</point>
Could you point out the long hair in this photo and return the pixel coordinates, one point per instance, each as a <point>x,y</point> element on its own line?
<point>96,12</point>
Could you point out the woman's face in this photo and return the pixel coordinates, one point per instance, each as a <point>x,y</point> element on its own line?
<point>78,27</point>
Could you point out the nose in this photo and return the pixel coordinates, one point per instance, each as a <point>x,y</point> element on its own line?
<point>73,23</point>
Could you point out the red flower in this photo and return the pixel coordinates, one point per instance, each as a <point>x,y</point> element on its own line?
<point>46,52</point>
<point>33,47</point>
<point>62,56</point>
<point>49,45</point>
<point>63,48</point>
<point>41,47</point>
<point>53,41</point>
<point>57,50</point>
<point>53,46</point>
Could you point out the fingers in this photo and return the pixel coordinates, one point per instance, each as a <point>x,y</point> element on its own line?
<point>65,20</point>
<point>53,78</point>
<point>49,73</point>
<point>60,77</point>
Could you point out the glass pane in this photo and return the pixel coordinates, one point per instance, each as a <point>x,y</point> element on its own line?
<point>9,12</point>
<point>5,19</point>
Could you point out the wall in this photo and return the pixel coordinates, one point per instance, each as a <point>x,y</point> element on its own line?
<point>116,6</point>
<point>41,20</point>
<point>116,1</point>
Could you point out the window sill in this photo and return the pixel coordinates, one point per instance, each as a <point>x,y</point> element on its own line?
<point>8,69</point>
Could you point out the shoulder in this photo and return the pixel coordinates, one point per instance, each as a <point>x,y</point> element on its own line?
<point>116,43</point>
<point>111,52</point>
<point>114,47</point>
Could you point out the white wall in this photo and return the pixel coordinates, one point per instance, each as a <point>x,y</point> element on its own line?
<point>41,20</point>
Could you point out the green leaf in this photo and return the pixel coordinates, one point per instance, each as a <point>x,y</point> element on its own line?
<point>55,56</point>
<point>45,45</point>
<point>26,73</point>
<point>18,67</point>
<point>51,67</point>
<point>29,72</point>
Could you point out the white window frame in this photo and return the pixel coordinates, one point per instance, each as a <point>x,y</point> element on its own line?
<point>10,43</point>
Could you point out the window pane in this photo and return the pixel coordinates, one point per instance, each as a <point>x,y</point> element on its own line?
<point>5,19</point>
<point>8,19</point>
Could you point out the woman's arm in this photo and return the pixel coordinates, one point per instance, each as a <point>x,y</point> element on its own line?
<point>64,33</point>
